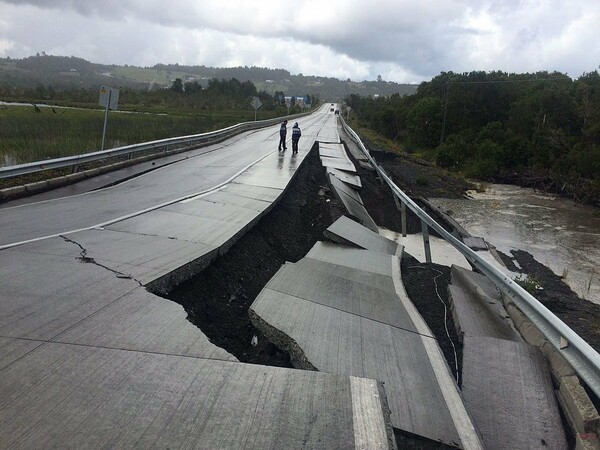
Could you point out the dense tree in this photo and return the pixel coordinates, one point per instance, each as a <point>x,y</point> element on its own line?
<point>177,86</point>
<point>495,126</point>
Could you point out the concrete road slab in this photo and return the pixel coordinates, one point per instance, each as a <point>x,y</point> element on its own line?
<point>333,151</point>
<point>145,258</point>
<point>362,276</point>
<point>348,178</point>
<point>508,391</point>
<point>144,322</point>
<point>330,146</point>
<point>185,227</point>
<point>442,252</point>
<point>355,258</point>
<point>265,194</point>
<point>263,178</point>
<point>356,153</point>
<point>340,186</point>
<point>328,133</point>
<point>356,234</point>
<point>11,349</point>
<point>475,243</point>
<point>477,308</point>
<point>339,342</point>
<point>343,294</point>
<point>353,203</point>
<point>42,295</point>
<point>474,316</point>
<point>357,211</point>
<point>338,163</point>
<point>76,396</point>
<point>228,198</point>
<point>205,208</point>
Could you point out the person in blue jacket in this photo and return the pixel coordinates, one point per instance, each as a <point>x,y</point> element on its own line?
<point>282,134</point>
<point>296,133</point>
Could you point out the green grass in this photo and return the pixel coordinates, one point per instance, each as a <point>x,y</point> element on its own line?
<point>375,138</point>
<point>27,135</point>
<point>422,180</point>
<point>528,283</point>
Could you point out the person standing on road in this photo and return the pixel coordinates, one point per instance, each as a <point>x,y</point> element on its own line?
<point>296,133</point>
<point>282,134</point>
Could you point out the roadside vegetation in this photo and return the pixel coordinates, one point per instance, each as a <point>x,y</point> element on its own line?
<point>540,130</point>
<point>32,133</point>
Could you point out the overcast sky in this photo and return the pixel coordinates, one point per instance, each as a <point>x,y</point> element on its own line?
<point>401,40</point>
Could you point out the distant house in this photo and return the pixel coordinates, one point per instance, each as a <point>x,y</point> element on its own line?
<point>269,81</point>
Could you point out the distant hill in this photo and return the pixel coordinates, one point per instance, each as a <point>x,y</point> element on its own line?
<point>62,72</point>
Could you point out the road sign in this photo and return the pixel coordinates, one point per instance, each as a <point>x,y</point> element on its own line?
<point>256,103</point>
<point>109,96</point>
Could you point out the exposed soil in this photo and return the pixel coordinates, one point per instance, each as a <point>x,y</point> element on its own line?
<point>217,300</point>
<point>581,315</point>
<point>427,287</point>
<point>405,440</point>
<point>379,200</point>
<point>420,179</point>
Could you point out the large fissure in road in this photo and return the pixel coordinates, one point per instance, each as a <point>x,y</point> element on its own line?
<point>218,298</point>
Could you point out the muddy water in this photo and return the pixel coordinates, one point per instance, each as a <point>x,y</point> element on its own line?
<point>559,233</point>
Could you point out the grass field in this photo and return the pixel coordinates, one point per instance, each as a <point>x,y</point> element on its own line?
<point>27,135</point>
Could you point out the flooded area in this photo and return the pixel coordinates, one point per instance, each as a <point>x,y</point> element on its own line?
<point>558,232</point>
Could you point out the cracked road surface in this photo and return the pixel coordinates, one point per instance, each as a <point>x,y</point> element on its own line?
<point>90,358</point>
<point>160,187</point>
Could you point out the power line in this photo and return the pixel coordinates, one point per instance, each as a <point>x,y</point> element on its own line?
<point>511,81</point>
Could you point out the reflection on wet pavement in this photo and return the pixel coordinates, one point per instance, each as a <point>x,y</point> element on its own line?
<point>558,232</point>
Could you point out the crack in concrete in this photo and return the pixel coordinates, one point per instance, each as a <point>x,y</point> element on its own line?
<point>88,260</point>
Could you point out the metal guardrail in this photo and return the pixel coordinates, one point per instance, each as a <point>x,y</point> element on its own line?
<point>580,355</point>
<point>74,161</point>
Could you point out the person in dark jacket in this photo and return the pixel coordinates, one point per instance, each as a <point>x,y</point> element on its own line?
<point>282,134</point>
<point>296,133</point>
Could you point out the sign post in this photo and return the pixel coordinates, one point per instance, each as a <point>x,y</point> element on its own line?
<point>256,103</point>
<point>288,103</point>
<point>109,98</point>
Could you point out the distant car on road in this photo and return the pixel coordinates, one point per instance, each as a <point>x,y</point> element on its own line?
<point>331,110</point>
<point>337,111</point>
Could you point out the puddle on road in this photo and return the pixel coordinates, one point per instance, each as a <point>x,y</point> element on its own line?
<point>559,233</point>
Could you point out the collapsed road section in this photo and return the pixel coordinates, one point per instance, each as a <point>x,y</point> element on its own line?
<point>90,358</point>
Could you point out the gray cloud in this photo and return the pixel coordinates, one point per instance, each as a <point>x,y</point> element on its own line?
<point>403,40</point>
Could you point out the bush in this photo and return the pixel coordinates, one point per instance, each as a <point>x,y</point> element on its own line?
<point>422,180</point>
<point>452,152</point>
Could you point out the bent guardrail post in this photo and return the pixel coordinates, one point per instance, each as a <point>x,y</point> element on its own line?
<point>425,230</point>
<point>578,353</point>
<point>403,217</point>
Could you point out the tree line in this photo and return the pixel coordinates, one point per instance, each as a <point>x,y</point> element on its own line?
<point>540,129</point>
<point>218,95</point>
